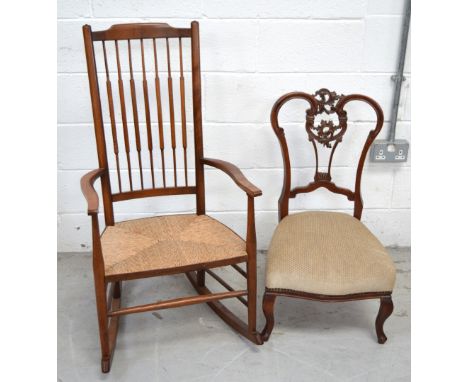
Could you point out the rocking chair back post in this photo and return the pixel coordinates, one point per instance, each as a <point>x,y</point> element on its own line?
<point>251,246</point>
<point>98,125</point>
<point>197,119</point>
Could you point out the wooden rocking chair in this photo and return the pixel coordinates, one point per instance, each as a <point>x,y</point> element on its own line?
<point>326,256</point>
<point>161,245</point>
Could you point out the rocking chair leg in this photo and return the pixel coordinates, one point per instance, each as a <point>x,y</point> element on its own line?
<point>252,297</point>
<point>268,310</point>
<point>386,309</point>
<point>201,278</point>
<point>101,304</point>
<point>117,290</point>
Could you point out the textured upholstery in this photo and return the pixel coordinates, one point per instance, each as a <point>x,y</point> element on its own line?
<point>167,242</point>
<point>327,253</point>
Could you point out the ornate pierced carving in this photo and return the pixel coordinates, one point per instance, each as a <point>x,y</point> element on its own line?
<point>327,100</point>
<point>326,131</point>
<point>322,176</point>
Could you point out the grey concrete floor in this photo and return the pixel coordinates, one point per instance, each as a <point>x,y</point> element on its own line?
<point>311,341</point>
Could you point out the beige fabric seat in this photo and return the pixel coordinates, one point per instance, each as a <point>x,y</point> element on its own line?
<point>162,242</point>
<point>327,253</point>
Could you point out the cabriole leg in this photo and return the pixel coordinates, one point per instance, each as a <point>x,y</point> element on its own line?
<point>268,310</point>
<point>386,309</point>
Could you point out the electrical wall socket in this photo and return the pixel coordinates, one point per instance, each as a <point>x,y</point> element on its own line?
<point>386,151</point>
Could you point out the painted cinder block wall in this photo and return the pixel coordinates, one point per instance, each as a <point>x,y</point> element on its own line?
<point>253,51</point>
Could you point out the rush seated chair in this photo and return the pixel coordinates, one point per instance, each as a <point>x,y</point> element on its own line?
<point>160,245</point>
<point>318,255</point>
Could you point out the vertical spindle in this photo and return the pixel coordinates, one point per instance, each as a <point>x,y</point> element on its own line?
<point>135,112</point>
<point>171,111</point>
<point>159,106</point>
<point>112,116</point>
<point>124,115</point>
<point>182,110</point>
<point>147,112</point>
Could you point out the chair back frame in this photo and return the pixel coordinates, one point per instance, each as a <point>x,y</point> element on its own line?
<point>328,134</point>
<point>128,33</point>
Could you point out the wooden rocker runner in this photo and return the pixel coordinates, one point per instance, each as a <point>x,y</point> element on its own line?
<point>139,131</point>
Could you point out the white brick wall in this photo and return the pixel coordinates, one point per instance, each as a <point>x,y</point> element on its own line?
<point>253,51</point>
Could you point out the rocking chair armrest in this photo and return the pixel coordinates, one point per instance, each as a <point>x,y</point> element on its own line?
<point>235,173</point>
<point>87,188</point>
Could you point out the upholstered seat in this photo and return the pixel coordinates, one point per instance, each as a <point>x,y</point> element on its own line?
<point>327,253</point>
<point>163,242</point>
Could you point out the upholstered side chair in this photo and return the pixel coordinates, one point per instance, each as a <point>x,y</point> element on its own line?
<point>318,255</point>
<point>143,141</point>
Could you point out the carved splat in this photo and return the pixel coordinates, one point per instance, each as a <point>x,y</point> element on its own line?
<point>326,131</point>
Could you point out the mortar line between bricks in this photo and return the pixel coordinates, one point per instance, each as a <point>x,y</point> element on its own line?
<point>377,209</point>
<point>312,168</point>
<point>221,19</point>
<point>250,73</point>
<point>235,123</point>
<point>191,170</point>
<point>291,124</point>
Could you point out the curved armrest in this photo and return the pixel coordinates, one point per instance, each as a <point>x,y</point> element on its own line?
<point>235,173</point>
<point>87,188</point>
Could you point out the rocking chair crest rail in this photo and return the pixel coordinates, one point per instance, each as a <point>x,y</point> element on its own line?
<point>141,108</point>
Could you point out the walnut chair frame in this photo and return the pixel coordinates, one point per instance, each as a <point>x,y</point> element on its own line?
<point>328,134</point>
<point>109,288</point>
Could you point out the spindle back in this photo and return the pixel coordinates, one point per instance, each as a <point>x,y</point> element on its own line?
<point>143,110</point>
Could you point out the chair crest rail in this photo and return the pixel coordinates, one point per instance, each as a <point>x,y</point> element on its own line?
<point>140,30</point>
